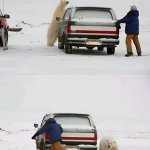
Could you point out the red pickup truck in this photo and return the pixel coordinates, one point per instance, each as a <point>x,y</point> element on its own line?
<point>3,30</point>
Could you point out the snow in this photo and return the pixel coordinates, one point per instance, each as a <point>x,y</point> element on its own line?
<point>35,79</point>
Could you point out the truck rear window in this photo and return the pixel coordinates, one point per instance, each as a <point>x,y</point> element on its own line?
<point>93,14</point>
<point>72,120</point>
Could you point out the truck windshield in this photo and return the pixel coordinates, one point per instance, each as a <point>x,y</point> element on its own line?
<point>93,14</point>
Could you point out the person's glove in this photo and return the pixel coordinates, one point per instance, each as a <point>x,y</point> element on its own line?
<point>33,137</point>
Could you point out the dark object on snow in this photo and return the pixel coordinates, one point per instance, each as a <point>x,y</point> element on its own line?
<point>129,54</point>
<point>15,29</point>
<point>4,130</point>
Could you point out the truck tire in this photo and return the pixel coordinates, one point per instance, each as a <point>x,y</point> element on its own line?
<point>6,39</point>
<point>1,43</point>
<point>6,36</point>
<point>61,43</point>
<point>110,50</point>
<point>42,146</point>
<point>68,47</point>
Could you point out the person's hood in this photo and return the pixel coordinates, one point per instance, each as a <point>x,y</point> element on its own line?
<point>134,13</point>
<point>50,120</point>
<point>133,7</point>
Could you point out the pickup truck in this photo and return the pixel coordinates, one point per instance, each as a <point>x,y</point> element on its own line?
<point>78,131</point>
<point>88,27</point>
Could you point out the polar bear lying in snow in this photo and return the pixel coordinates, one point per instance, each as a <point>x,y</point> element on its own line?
<point>53,28</point>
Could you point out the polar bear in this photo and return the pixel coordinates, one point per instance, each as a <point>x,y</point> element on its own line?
<point>108,143</point>
<point>52,33</point>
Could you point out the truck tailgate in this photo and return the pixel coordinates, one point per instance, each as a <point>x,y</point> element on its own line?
<point>93,28</point>
<point>79,134</point>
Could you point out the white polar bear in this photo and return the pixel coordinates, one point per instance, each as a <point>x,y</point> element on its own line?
<point>108,143</point>
<point>53,28</point>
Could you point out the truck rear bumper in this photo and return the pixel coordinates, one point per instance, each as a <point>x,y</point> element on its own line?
<point>87,147</point>
<point>93,42</point>
<point>77,147</point>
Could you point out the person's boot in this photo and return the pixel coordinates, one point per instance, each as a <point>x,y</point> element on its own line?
<point>129,54</point>
<point>139,54</point>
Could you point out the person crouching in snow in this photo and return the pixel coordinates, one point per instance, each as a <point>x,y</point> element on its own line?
<point>54,131</point>
<point>132,30</point>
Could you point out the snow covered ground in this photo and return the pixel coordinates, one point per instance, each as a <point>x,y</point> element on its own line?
<point>35,79</point>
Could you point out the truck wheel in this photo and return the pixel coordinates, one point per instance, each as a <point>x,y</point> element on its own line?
<point>42,146</point>
<point>1,43</point>
<point>6,39</point>
<point>68,47</point>
<point>6,36</point>
<point>37,145</point>
<point>60,44</point>
<point>110,50</point>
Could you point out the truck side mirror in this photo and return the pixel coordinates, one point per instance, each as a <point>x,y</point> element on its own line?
<point>36,125</point>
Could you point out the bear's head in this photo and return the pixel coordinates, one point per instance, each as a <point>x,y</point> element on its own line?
<point>64,2</point>
<point>111,144</point>
<point>108,143</point>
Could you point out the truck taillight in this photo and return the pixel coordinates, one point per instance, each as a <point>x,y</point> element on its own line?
<point>118,31</point>
<point>95,135</point>
<point>46,136</point>
<point>68,28</point>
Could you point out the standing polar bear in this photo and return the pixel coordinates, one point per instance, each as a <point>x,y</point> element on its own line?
<point>53,28</point>
<point>108,143</point>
